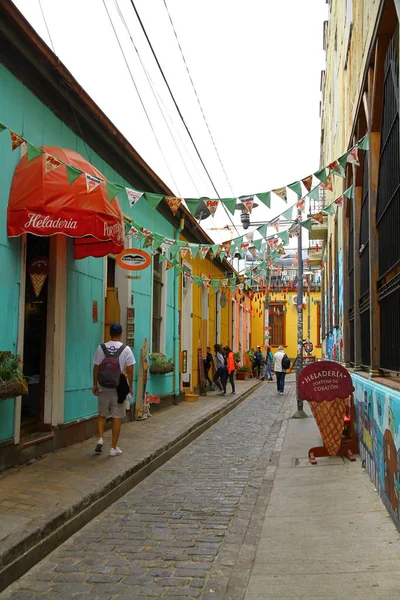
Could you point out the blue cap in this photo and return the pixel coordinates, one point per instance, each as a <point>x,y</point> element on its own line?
<point>115,329</point>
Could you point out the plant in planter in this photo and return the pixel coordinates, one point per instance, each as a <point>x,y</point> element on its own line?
<point>12,380</point>
<point>160,364</point>
<point>243,372</point>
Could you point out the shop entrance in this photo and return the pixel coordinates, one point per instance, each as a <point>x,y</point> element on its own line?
<point>35,320</point>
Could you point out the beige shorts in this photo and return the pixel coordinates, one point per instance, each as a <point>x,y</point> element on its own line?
<point>108,404</point>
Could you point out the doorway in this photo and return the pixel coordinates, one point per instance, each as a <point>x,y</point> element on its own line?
<point>35,325</point>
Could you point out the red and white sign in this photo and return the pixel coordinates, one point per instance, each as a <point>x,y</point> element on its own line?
<point>133,259</point>
<point>324,380</point>
<point>212,205</point>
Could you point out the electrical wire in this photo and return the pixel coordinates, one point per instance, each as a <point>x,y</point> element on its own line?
<point>47,28</point>
<point>140,98</point>
<point>156,97</point>
<point>178,109</point>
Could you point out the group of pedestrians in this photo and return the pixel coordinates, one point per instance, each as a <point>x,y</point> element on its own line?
<point>271,360</point>
<point>225,368</point>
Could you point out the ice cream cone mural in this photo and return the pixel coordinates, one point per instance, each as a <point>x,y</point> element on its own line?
<point>326,385</point>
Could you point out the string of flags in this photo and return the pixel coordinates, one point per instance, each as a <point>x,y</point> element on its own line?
<point>304,188</point>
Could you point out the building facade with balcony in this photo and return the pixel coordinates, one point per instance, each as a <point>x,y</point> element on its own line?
<point>361,244</point>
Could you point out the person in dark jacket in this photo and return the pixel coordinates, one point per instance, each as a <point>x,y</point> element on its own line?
<point>257,360</point>
<point>208,361</point>
<point>221,374</point>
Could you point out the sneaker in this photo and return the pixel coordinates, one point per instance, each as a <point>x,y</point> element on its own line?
<point>233,393</point>
<point>99,446</point>
<point>222,394</point>
<point>115,451</point>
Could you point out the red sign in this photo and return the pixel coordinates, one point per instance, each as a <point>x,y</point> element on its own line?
<point>324,380</point>
<point>133,259</point>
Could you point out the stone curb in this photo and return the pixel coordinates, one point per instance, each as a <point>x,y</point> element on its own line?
<point>26,553</point>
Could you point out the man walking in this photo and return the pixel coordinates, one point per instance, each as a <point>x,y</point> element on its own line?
<point>109,384</point>
<point>279,370</point>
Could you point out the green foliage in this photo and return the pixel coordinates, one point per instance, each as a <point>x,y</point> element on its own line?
<point>237,356</point>
<point>160,360</point>
<point>10,367</point>
<point>244,369</point>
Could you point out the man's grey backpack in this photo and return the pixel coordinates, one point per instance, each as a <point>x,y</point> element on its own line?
<point>109,370</point>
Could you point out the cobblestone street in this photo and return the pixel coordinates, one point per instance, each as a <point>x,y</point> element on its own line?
<point>190,530</point>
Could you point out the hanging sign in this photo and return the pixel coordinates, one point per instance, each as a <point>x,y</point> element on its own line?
<point>133,259</point>
<point>222,300</point>
<point>38,271</point>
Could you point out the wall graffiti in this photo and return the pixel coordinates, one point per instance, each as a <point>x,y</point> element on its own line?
<point>378,431</point>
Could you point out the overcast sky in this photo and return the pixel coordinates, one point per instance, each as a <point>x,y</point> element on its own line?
<point>256,67</point>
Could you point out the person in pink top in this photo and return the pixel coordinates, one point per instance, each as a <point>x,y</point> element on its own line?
<point>231,367</point>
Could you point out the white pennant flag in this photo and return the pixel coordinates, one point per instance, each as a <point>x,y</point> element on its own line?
<point>133,196</point>
<point>92,182</point>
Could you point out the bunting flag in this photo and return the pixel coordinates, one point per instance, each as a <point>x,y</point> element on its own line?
<point>244,246</point>
<point>230,204</point>
<point>284,236</point>
<point>51,163</point>
<point>33,151</point>
<point>148,241</point>
<point>319,217</point>
<point>342,160</point>
<point>249,236</point>
<point>352,156</point>
<point>349,193</point>
<point>247,201</point>
<point>204,251</point>
<point>307,182</point>
<point>173,203</point>
<point>301,204</point>
<point>92,182</point>
<point>226,246</point>
<point>169,265</point>
<point>192,204</point>
<point>184,251</point>
<point>321,175</point>
<point>296,188</point>
<point>339,201</point>
<point>113,189</point>
<point>363,144</point>
<point>328,184</point>
<point>314,193</point>
<point>224,283</point>
<point>334,167</point>
<point>212,206</point>
<point>153,199</point>
<point>16,140</point>
<point>329,210</point>
<point>133,196</point>
<point>265,198</point>
<point>294,231</point>
<point>275,223</point>
<point>73,173</point>
<point>188,278</point>
<point>288,214</point>
<point>281,192</point>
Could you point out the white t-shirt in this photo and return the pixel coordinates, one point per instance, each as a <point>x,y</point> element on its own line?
<point>126,358</point>
<point>278,361</point>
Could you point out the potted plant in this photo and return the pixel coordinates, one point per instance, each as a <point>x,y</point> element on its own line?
<point>160,364</point>
<point>243,373</point>
<point>12,380</point>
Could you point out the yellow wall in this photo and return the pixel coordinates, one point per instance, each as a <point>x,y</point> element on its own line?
<point>258,322</point>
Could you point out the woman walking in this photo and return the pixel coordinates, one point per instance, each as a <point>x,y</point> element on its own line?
<point>269,358</point>
<point>231,368</point>
<point>220,374</point>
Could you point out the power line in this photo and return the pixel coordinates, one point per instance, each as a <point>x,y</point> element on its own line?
<point>158,100</point>
<point>197,98</point>
<point>47,28</point>
<point>178,110</point>
<point>140,98</point>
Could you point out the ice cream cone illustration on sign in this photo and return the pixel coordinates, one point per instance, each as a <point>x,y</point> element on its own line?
<point>38,271</point>
<point>326,386</point>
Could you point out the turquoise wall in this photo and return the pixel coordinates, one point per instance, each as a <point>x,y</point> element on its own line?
<point>26,114</point>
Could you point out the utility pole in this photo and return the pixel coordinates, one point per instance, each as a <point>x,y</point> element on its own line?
<point>299,414</point>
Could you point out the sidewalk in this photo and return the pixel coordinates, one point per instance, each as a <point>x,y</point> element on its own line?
<point>326,534</point>
<point>42,504</point>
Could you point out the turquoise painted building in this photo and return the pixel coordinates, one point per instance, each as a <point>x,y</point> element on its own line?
<point>57,331</point>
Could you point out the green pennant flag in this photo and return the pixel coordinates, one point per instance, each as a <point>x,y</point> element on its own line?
<point>33,151</point>
<point>214,248</point>
<point>257,244</point>
<point>265,198</point>
<point>197,280</point>
<point>194,250</point>
<point>72,173</point>
<point>113,189</point>
<point>162,258</point>
<point>215,284</point>
<point>222,255</point>
<point>262,230</point>
<point>173,249</point>
<point>127,228</point>
<point>307,224</point>
<point>321,175</point>
<point>343,160</point>
<point>230,204</point>
<point>284,235</point>
<point>349,193</point>
<point>2,127</point>
<point>314,194</point>
<point>178,269</point>
<point>288,214</point>
<point>157,240</point>
<point>296,187</point>
<point>192,204</point>
<point>340,173</point>
<point>232,250</point>
<point>363,144</point>
<point>153,199</point>
<point>330,209</point>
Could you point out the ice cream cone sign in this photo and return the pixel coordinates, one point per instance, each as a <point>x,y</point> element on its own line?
<point>38,271</point>
<point>326,386</point>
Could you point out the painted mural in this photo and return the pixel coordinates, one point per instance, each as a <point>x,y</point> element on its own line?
<point>378,431</point>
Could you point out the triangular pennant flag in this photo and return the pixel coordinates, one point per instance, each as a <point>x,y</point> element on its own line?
<point>51,163</point>
<point>192,204</point>
<point>330,209</point>
<point>92,182</point>
<point>247,201</point>
<point>169,265</point>
<point>281,192</point>
<point>148,241</point>
<point>321,175</point>
<point>349,193</point>
<point>230,204</point>
<point>249,236</point>
<point>2,127</point>
<point>173,250</point>
<point>133,196</point>
<point>265,198</point>
<point>153,199</point>
<point>184,251</point>
<point>342,160</point>
<point>214,249</point>
<point>157,240</point>
<point>319,217</point>
<point>33,151</point>
<point>296,187</point>
<point>262,230</point>
<point>352,156</point>
<point>307,224</point>
<point>174,203</point>
<point>275,223</point>
<point>194,250</point>
<point>334,166</point>
<point>307,182</point>
<point>363,144</point>
<point>257,244</point>
<point>113,189</point>
<point>72,173</point>
<point>314,193</point>
<point>339,201</point>
<point>162,257</point>
<point>244,246</point>
<point>204,251</point>
<point>301,204</point>
<point>288,214</point>
<point>284,235</point>
<point>294,231</point>
<point>16,140</point>
<point>328,184</point>
<point>178,269</point>
<point>212,206</point>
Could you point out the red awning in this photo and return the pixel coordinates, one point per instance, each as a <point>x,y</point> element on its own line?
<point>42,202</point>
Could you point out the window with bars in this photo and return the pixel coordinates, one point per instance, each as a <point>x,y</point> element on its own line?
<point>350,274</point>
<point>157,303</point>
<point>277,322</point>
